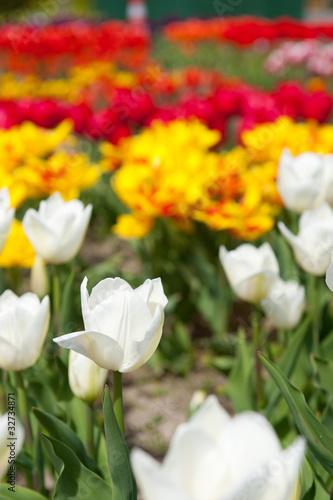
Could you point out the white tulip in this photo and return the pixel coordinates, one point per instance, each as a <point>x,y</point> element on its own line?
<point>285,304</point>
<point>5,455</point>
<point>301,180</point>
<point>251,271</point>
<point>86,379</point>
<point>24,322</point>
<point>6,216</point>
<point>216,457</point>
<point>57,230</point>
<point>313,245</point>
<point>122,326</point>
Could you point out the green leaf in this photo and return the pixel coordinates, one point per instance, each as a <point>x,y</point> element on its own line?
<point>38,456</point>
<point>320,441</point>
<point>321,492</point>
<point>61,384</point>
<point>19,494</point>
<point>221,363</point>
<point>325,373</point>
<point>327,418</point>
<point>62,432</point>
<point>307,482</point>
<point>327,345</point>
<point>123,481</point>
<point>287,265</point>
<point>240,382</point>
<point>75,481</point>
<point>287,362</point>
<point>67,309</point>
<point>182,337</point>
<point>41,391</point>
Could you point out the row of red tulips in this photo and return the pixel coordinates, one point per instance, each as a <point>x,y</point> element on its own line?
<point>130,108</point>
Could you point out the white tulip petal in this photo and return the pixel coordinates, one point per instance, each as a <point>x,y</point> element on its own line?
<point>42,237</point>
<point>153,482</point>
<point>312,247</point>
<point>301,180</point>
<point>9,353</point>
<point>30,301</point>
<point>36,333</point>
<point>211,418</point>
<point>103,290</point>
<point>256,287</point>
<point>10,327</point>
<point>54,203</point>
<point>124,317</point>
<point>157,295</point>
<point>261,441</point>
<point>140,351</point>
<point>6,216</point>
<point>86,378</point>
<point>285,304</point>
<point>57,230</point>
<point>145,290</point>
<point>4,198</point>
<point>312,217</point>
<point>274,480</point>
<point>23,327</point>
<point>250,271</point>
<point>77,235</point>
<point>8,299</point>
<point>194,462</point>
<point>96,346</point>
<point>269,258</point>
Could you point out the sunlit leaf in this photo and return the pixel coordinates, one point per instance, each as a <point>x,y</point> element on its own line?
<point>123,481</point>
<point>319,439</point>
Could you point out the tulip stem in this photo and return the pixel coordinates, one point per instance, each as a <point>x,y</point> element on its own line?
<point>118,399</point>
<point>90,431</point>
<point>256,342</point>
<point>24,409</point>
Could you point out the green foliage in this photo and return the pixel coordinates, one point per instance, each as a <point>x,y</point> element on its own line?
<point>74,479</point>
<point>123,481</point>
<point>62,432</point>
<point>320,441</point>
<point>240,386</point>
<point>232,61</point>
<point>287,363</point>
<point>20,493</point>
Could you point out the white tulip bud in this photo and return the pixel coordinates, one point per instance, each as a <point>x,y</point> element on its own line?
<point>251,271</point>
<point>86,379</point>
<point>313,245</point>
<point>285,304</point>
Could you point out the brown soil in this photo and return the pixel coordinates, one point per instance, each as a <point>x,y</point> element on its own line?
<point>154,407</point>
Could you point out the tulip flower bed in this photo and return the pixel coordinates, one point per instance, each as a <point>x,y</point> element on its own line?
<point>168,229</point>
<point>314,55</point>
